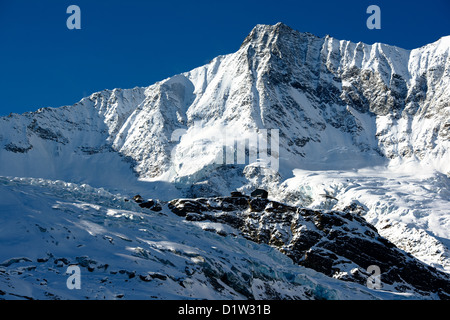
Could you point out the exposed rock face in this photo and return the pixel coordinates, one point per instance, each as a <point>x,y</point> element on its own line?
<point>260,193</point>
<point>340,244</point>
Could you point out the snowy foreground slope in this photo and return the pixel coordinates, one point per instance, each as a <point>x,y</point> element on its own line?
<point>127,252</point>
<point>344,124</point>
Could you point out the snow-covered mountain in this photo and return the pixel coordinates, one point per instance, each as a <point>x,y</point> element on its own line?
<point>336,104</point>
<point>355,123</point>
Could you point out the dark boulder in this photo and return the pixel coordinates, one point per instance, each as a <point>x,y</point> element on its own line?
<point>138,199</point>
<point>147,204</point>
<point>237,194</point>
<point>260,193</point>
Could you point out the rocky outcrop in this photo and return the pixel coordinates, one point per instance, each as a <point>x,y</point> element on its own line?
<point>151,204</point>
<point>340,244</point>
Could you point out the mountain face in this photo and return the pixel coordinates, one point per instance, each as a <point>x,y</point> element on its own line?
<point>336,105</point>
<point>319,122</point>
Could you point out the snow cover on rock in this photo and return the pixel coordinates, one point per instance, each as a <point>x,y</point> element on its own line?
<point>408,207</point>
<point>356,122</point>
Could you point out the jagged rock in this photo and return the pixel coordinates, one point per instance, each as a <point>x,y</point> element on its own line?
<point>258,204</point>
<point>260,193</point>
<point>237,194</point>
<point>182,207</point>
<point>156,207</point>
<point>152,275</point>
<point>16,149</point>
<point>147,204</point>
<point>45,133</point>
<point>138,199</point>
<point>340,244</point>
<point>130,274</point>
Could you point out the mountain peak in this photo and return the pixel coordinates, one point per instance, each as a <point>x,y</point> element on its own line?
<point>262,31</point>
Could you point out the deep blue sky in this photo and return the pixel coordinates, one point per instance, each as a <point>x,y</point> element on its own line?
<point>123,44</point>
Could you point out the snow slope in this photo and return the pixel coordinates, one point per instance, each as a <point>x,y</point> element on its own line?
<point>126,252</point>
<point>408,207</point>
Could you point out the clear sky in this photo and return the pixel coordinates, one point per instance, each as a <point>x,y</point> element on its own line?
<point>123,44</point>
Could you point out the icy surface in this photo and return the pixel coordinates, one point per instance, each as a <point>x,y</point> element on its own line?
<point>125,252</point>
<point>408,207</point>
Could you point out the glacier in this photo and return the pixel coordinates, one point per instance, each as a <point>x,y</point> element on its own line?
<point>127,252</point>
